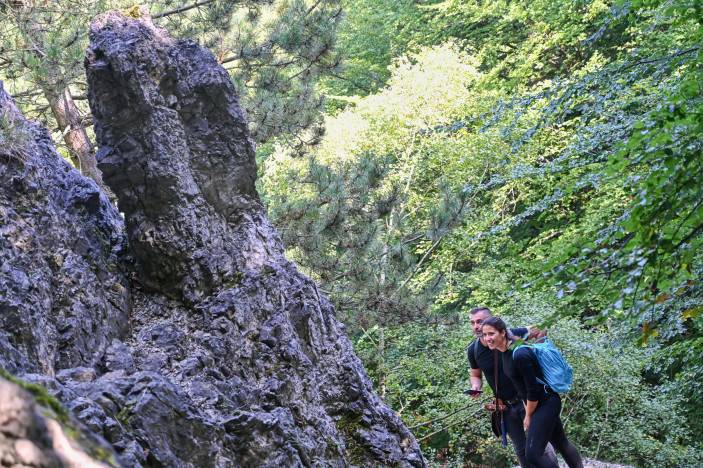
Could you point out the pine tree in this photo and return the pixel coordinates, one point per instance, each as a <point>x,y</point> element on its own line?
<point>275,51</point>
<point>42,45</point>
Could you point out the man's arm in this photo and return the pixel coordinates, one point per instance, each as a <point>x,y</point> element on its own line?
<point>536,333</point>
<point>528,333</point>
<point>475,375</point>
<point>476,378</point>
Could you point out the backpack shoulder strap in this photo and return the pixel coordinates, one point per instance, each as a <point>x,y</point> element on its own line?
<point>495,372</point>
<point>469,352</point>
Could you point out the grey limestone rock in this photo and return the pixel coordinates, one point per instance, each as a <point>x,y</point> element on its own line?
<point>181,335</point>
<point>64,294</point>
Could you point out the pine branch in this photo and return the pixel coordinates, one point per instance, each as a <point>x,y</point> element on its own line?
<point>417,267</point>
<point>28,94</point>
<point>354,83</point>
<point>658,59</point>
<point>182,9</point>
<point>688,216</point>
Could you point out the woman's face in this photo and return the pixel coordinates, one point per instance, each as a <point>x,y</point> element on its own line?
<point>493,337</point>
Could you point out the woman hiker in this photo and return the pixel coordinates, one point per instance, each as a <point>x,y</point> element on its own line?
<point>542,405</point>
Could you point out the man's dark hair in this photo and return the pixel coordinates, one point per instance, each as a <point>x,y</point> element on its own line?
<point>476,310</point>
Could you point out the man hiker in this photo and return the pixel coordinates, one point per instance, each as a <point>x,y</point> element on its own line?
<point>482,362</point>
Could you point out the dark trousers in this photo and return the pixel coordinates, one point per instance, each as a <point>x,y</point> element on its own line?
<point>514,417</point>
<point>545,427</point>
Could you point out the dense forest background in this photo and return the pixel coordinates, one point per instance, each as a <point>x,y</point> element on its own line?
<point>420,158</point>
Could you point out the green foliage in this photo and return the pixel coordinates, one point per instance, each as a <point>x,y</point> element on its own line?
<point>523,43</point>
<point>611,413</point>
<point>351,211</point>
<point>371,36</point>
<point>563,166</point>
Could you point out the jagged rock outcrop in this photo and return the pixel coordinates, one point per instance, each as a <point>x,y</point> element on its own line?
<point>182,336</point>
<point>63,290</point>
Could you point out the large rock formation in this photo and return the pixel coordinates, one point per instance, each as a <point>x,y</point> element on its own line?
<point>183,336</point>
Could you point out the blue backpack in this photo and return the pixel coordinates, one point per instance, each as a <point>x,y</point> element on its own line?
<point>556,371</point>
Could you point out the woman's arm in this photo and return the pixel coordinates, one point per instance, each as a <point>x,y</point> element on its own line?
<point>530,408</point>
<point>525,366</point>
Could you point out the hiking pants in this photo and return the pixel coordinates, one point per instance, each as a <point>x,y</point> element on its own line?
<point>545,427</point>
<point>514,417</point>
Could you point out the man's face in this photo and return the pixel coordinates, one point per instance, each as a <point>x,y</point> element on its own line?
<point>477,320</point>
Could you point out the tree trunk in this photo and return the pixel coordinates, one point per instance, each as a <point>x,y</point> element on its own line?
<point>74,135</point>
<point>58,95</point>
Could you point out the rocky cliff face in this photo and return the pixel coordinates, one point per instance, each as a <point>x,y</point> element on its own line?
<point>181,335</point>
<point>63,287</point>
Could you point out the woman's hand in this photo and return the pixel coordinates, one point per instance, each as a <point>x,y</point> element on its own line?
<point>530,408</point>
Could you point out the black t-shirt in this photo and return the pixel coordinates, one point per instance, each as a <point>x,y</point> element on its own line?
<point>523,369</point>
<point>485,363</point>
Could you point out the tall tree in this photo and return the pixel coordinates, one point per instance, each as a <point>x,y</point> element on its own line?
<point>350,210</point>
<point>580,172</point>
<point>42,45</point>
<point>276,51</point>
